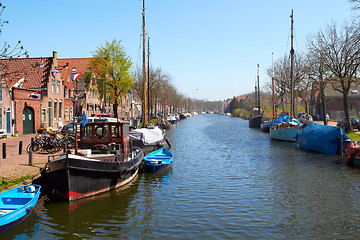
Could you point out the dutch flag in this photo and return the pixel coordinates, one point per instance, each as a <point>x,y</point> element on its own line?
<point>35,94</point>
<point>76,76</point>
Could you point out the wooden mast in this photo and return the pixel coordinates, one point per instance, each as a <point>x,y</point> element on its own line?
<point>144,113</point>
<point>148,81</point>
<point>273,86</point>
<point>292,51</point>
<point>258,88</point>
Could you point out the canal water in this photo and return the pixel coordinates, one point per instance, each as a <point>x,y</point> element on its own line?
<point>227,182</point>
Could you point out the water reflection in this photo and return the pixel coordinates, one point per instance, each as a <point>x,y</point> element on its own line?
<point>98,216</point>
<point>227,182</point>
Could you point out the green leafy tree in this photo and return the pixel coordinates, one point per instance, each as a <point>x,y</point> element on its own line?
<point>234,104</point>
<point>113,70</point>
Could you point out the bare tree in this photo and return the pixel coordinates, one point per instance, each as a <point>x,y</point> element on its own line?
<point>356,4</point>
<point>320,77</point>
<point>340,53</point>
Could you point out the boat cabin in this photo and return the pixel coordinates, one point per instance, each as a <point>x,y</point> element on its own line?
<point>110,135</point>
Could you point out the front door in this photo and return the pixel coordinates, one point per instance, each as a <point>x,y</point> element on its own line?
<point>28,121</point>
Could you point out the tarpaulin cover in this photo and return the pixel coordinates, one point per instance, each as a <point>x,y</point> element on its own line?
<point>321,138</point>
<point>147,135</point>
<point>283,119</point>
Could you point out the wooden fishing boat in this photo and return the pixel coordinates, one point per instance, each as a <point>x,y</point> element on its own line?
<point>106,160</point>
<point>16,205</point>
<point>287,130</point>
<point>157,160</point>
<point>255,119</point>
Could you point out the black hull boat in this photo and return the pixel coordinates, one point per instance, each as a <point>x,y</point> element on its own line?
<point>106,160</point>
<point>75,177</point>
<point>255,121</point>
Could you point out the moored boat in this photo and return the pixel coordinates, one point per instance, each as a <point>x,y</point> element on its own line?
<point>284,129</point>
<point>148,139</point>
<point>265,126</point>
<point>255,121</point>
<point>16,205</point>
<point>157,160</point>
<point>105,161</point>
<point>322,138</point>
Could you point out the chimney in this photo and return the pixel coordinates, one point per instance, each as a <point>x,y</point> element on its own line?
<point>54,54</point>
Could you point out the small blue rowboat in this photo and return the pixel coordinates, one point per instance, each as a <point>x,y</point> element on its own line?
<point>158,159</point>
<point>16,205</point>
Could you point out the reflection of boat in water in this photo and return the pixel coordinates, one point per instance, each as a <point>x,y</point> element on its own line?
<point>107,160</point>
<point>100,216</point>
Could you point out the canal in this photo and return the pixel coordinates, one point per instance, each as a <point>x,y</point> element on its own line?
<point>227,182</point>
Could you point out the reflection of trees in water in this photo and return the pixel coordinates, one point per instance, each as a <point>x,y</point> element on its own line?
<point>152,182</point>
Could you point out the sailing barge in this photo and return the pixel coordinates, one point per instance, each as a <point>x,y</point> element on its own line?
<point>106,160</point>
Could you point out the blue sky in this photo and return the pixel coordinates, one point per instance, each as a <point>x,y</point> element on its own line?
<point>210,45</point>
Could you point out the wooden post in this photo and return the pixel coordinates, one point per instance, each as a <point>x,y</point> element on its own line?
<point>20,147</point>
<point>4,150</point>
<point>30,157</point>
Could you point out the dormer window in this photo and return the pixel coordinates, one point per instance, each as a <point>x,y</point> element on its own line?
<point>73,70</point>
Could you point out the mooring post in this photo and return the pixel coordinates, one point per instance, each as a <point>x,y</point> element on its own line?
<point>20,147</point>
<point>31,152</point>
<point>30,157</point>
<point>4,150</point>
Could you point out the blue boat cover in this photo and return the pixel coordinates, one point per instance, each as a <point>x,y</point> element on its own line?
<point>283,119</point>
<point>321,138</point>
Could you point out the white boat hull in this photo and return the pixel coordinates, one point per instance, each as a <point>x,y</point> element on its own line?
<point>284,134</point>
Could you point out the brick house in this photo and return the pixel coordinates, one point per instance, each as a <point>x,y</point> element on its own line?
<point>334,103</point>
<point>22,77</point>
<point>20,113</point>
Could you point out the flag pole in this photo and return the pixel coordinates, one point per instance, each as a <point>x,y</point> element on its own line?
<point>76,99</point>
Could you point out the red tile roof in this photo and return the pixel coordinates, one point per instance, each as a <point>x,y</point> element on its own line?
<point>35,71</point>
<point>81,65</point>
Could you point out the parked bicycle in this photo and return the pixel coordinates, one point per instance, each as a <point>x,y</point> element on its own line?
<point>51,143</point>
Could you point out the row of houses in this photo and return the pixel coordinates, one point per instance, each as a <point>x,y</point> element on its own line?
<point>334,103</point>
<point>39,93</point>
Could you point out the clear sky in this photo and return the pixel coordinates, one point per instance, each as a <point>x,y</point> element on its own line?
<point>210,45</point>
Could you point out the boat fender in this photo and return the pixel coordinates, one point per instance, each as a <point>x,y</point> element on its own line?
<point>30,189</point>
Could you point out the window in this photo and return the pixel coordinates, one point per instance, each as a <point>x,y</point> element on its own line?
<point>49,114</point>
<point>60,110</point>
<point>1,117</point>
<point>55,111</point>
<point>53,85</point>
<point>58,86</point>
<point>71,113</point>
<point>1,95</point>
<point>66,114</point>
<point>43,115</point>
<point>66,93</point>
<point>73,70</point>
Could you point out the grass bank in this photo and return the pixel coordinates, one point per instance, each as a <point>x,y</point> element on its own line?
<point>6,183</point>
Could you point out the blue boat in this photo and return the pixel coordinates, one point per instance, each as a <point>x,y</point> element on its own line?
<point>16,205</point>
<point>158,159</point>
<point>322,138</point>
